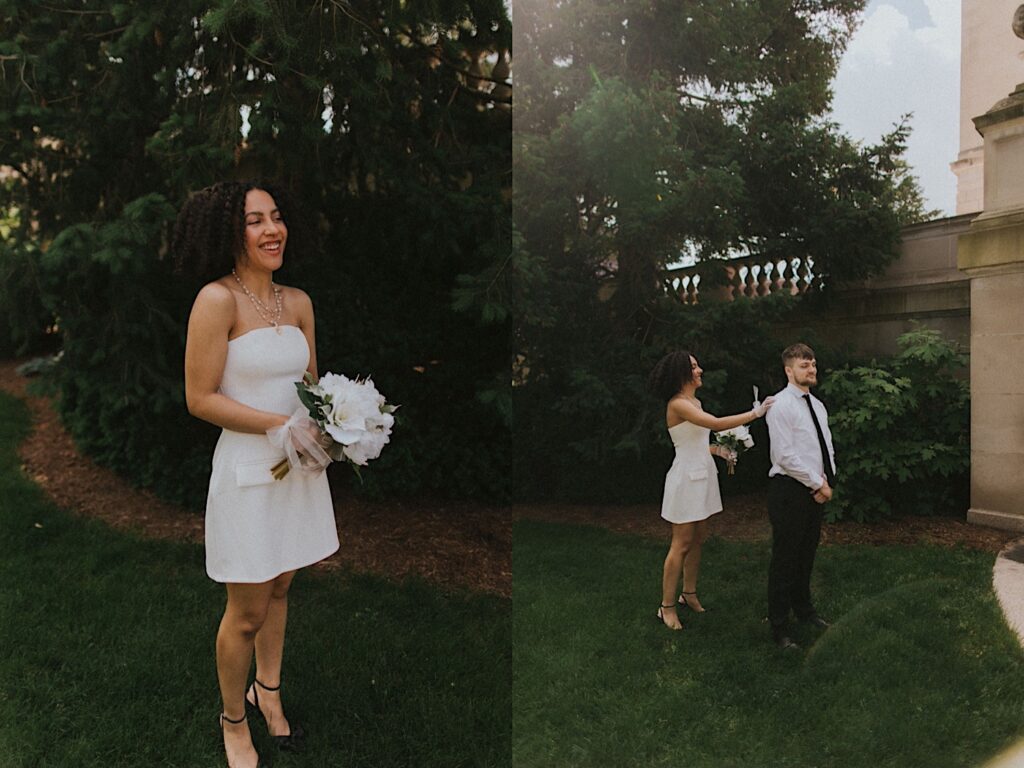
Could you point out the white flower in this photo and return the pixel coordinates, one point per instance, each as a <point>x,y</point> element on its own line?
<point>347,405</point>
<point>741,433</point>
<point>382,421</point>
<point>366,448</point>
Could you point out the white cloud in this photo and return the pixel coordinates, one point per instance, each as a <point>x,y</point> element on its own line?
<point>875,43</point>
<point>890,69</point>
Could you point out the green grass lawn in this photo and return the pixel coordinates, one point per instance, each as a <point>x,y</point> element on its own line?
<point>918,671</point>
<point>107,653</point>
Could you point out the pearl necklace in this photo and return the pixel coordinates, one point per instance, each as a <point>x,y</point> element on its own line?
<point>265,313</point>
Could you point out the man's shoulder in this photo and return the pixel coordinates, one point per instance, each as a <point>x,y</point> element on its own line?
<point>784,395</point>
<point>782,403</point>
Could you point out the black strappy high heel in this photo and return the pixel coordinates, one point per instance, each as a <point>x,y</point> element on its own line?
<point>660,616</point>
<point>685,604</point>
<point>292,742</point>
<point>225,719</point>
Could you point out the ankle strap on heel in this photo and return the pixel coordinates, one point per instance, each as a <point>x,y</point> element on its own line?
<point>266,687</point>
<point>226,719</point>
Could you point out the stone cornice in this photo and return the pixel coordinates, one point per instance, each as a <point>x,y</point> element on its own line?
<point>1004,110</point>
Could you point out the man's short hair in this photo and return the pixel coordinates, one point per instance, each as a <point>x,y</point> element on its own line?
<point>798,351</point>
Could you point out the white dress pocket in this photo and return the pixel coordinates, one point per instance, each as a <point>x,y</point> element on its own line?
<point>249,473</point>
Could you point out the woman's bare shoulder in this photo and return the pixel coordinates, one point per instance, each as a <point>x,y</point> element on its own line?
<point>215,300</point>
<point>682,405</point>
<point>216,292</point>
<point>291,293</point>
<point>299,301</point>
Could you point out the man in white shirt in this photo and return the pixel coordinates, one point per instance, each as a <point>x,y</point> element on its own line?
<point>800,484</point>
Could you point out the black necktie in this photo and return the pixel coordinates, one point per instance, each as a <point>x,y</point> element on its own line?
<point>826,461</point>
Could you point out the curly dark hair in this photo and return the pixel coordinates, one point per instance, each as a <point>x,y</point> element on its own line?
<point>671,373</point>
<point>209,233</point>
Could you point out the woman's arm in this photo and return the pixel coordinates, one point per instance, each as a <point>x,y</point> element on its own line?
<point>206,349</point>
<point>684,410</point>
<point>304,310</point>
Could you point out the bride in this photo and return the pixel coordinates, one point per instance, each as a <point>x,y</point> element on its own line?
<point>249,340</point>
<point>691,486</point>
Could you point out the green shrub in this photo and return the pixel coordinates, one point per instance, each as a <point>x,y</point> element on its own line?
<point>24,317</point>
<point>901,431</point>
<point>122,322</point>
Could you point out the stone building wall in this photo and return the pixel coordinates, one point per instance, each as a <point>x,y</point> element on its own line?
<point>923,285</point>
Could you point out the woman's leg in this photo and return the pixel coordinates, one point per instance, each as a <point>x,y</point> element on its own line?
<point>691,565</point>
<point>682,540</point>
<point>269,653</point>
<point>245,613</point>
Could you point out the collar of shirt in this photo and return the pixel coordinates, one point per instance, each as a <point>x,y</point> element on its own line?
<point>795,391</point>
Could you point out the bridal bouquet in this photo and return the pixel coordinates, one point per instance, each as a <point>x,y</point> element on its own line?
<point>737,440</point>
<point>342,419</point>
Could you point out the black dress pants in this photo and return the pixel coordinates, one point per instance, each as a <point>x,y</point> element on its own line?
<point>796,528</point>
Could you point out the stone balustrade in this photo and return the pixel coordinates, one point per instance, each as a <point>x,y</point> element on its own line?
<point>744,277</point>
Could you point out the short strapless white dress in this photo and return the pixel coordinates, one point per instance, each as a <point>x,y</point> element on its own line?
<point>256,527</point>
<point>691,485</point>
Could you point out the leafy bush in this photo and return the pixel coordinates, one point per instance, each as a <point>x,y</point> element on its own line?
<point>901,431</point>
<point>24,318</point>
<point>120,375</point>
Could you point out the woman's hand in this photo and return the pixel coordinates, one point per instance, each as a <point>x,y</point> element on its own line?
<point>761,408</point>
<point>730,457</point>
<point>728,454</point>
<point>302,442</point>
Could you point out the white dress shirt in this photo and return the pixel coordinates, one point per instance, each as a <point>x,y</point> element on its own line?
<point>794,442</point>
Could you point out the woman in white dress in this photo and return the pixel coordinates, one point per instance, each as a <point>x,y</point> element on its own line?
<point>249,340</point>
<point>691,485</point>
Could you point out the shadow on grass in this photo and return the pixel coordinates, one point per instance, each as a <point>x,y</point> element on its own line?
<point>919,668</point>
<point>107,653</point>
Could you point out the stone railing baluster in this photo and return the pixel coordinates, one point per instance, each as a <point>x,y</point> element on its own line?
<point>746,277</point>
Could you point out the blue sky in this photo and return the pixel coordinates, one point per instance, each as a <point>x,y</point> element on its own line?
<point>906,58</point>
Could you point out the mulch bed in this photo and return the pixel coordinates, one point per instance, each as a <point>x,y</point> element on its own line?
<point>745,518</point>
<point>453,544</point>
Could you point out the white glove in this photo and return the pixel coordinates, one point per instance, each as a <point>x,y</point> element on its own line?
<point>760,409</point>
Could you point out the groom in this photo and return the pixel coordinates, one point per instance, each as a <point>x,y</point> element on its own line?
<point>800,484</point>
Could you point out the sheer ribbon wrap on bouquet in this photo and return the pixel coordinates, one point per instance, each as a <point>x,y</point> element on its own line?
<point>341,419</point>
<point>302,442</point>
